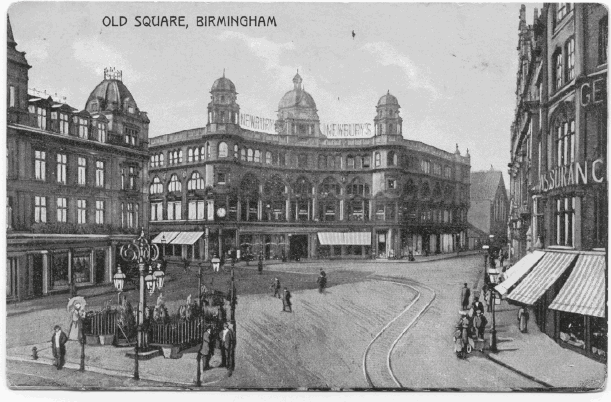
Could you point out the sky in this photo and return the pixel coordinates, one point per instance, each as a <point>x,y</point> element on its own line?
<point>452,66</point>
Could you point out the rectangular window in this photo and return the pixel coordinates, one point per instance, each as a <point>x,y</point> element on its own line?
<point>83,128</point>
<point>600,219</point>
<point>11,277</point>
<point>41,117</point>
<point>99,212</point>
<point>174,210</point>
<point>99,174</point>
<point>603,40</point>
<point>132,177</point>
<point>62,163</point>
<point>40,209</point>
<point>102,132</point>
<point>366,162</point>
<point>561,11</point>
<point>11,96</point>
<point>565,221</point>
<point>156,211</point>
<point>81,211</point>
<point>558,70</point>
<point>391,184</point>
<point>64,124</point>
<point>221,179</point>
<point>62,210</point>
<point>570,59</point>
<point>130,215</point>
<point>82,171</point>
<point>40,165</point>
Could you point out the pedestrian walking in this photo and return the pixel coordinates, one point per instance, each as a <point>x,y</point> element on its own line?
<point>323,273</point>
<point>488,297</point>
<point>477,305</point>
<point>260,264</point>
<point>227,347</point>
<point>321,281</point>
<point>523,319</point>
<point>76,307</point>
<point>501,259</point>
<point>276,288</point>
<point>205,350</point>
<point>286,301</point>
<point>463,325</point>
<point>479,324</point>
<point>465,295</point>
<point>58,345</point>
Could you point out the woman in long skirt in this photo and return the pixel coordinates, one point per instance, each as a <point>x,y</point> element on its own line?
<point>75,326</point>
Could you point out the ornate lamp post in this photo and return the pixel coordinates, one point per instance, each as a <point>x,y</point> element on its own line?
<point>145,255</point>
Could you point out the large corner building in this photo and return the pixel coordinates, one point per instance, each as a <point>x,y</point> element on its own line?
<point>224,189</point>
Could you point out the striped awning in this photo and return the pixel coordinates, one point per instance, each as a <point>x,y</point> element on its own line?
<point>187,238</point>
<point>584,290</point>
<point>543,275</point>
<point>514,274</point>
<point>344,239</point>
<point>169,236</point>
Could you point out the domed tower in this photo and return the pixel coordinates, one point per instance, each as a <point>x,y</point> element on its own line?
<point>223,107</point>
<point>297,113</point>
<point>387,120</point>
<point>127,125</point>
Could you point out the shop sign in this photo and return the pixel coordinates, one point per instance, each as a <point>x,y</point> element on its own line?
<point>351,130</point>
<point>574,174</point>
<point>593,92</point>
<point>258,123</point>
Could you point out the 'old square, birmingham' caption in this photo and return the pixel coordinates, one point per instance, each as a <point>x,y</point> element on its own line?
<point>201,21</point>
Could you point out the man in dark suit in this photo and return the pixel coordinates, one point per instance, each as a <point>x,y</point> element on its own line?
<point>205,349</point>
<point>58,345</point>
<point>477,305</point>
<point>227,347</point>
<point>465,294</point>
<point>286,301</point>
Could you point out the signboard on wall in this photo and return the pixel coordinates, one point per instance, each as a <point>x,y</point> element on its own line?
<point>347,130</point>
<point>257,123</point>
<point>575,173</point>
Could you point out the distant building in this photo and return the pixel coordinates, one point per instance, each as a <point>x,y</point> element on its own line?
<point>75,182</point>
<point>558,171</point>
<point>223,189</point>
<point>489,205</point>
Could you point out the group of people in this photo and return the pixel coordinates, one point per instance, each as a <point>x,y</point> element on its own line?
<point>472,322</point>
<point>76,307</point>
<point>226,343</point>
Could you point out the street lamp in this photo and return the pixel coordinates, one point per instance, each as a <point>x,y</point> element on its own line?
<point>119,281</point>
<point>493,296</point>
<point>145,255</point>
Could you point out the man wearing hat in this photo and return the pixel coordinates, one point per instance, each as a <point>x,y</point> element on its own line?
<point>479,324</point>
<point>227,347</point>
<point>286,301</point>
<point>205,350</point>
<point>463,326</point>
<point>465,294</point>
<point>477,305</point>
<point>58,346</point>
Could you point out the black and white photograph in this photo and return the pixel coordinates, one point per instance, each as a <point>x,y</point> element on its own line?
<point>303,196</point>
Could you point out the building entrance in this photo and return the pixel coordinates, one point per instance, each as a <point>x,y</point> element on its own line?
<point>298,247</point>
<point>381,244</point>
<point>100,266</point>
<point>37,274</point>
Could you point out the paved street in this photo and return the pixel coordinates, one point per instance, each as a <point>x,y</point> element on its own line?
<point>390,328</point>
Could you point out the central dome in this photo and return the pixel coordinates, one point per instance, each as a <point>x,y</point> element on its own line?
<point>223,84</point>
<point>388,99</point>
<point>297,98</point>
<point>110,94</point>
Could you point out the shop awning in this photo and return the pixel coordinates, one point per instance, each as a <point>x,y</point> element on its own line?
<point>514,274</point>
<point>584,290</point>
<point>187,238</point>
<point>543,275</point>
<point>344,239</point>
<point>169,236</point>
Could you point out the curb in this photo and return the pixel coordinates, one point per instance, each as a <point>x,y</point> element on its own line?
<point>523,374</point>
<point>114,373</point>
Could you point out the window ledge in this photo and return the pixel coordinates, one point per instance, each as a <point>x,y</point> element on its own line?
<point>561,248</point>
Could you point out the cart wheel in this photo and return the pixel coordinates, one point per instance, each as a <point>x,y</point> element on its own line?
<point>469,348</point>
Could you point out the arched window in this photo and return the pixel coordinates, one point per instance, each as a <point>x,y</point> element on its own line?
<point>236,151</point>
<point>156,186</point>
<point>391,159</point>
<point>175,185</point>
<point>180,156</point>
<point>350,162</point>
<point>190,155</point>
<point>257,156</point>
<point>357,188</point>
<point>196,154</point>
<point>437,191</point>
<point>425,190</point>
<point>268,157</point>
<point>338,161</point>
<point>196,182</point>
<point>329,186</point>
<point>208,150</point>
<point>358,162</point>
<point>243,154</point>
<point>223,151</point>
<point>202,152</point>
<point>250,155</point>
<point>378,160</point>
<point>160,159</point>
<point>330,162</point>
<point>302,187</point>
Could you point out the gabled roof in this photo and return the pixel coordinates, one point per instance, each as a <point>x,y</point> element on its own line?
<point>485,183</point>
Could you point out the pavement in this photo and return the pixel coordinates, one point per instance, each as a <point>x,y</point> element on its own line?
<point>536,355</point>
<point>524,361</point>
